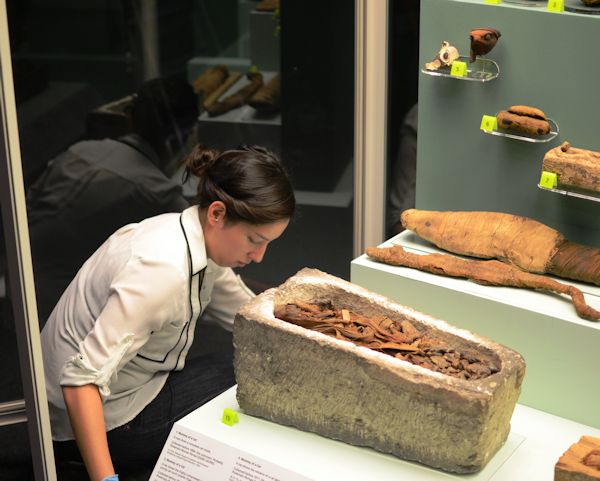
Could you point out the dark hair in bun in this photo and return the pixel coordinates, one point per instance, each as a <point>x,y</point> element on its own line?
<point>199,161</point>
<point>249,180</point>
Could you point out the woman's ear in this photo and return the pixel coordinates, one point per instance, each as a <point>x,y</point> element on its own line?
<point>216,213</point>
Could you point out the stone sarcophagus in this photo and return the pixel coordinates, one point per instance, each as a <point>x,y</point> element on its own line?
<point>316,382</point>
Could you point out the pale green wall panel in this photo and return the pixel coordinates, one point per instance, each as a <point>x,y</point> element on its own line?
<point>547,60</point>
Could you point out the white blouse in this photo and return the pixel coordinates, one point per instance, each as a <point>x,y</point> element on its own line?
<point>128,317</point>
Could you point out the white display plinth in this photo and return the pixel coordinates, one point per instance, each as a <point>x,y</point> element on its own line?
<point>201,447</point>
<point>562,351</point>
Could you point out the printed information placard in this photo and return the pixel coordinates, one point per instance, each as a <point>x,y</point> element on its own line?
<point>190,456</point>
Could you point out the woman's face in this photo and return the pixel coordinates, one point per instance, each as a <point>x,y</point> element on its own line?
<point>238,244</point>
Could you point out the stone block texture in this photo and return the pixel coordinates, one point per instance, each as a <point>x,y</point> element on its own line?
<point>302,378</point>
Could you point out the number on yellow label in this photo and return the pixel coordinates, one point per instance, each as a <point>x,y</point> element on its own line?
<point>458,68</point>
<point>549,180</point>
<point>557,6</point>
<point>489,123</point>
<point>230,417</point>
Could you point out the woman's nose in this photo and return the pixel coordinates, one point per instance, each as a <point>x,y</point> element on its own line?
<point>257,254</point>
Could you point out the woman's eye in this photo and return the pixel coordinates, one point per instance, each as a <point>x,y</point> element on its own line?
<point>253,241</point>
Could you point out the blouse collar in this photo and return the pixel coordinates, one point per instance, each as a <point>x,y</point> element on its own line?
<point>192,229</point>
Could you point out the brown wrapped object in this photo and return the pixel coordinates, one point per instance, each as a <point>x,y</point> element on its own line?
<point>528,111</point>
<point>581,462</point>
<point>206,83</point>
<point>221,89</point>
<point>483,40</point>
<point>267,98</point>
<point>492,272</point>
<point>578,168</point>
<point>238,98</point>
<point>522,123</point>
<point>523,242</point>
<point>397,338</point>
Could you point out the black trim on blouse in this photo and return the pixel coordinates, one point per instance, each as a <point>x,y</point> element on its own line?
<point>187,325</point>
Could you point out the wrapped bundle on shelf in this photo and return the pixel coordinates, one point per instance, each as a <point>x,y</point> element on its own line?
<point>520,241</point>
<point>524,118</point>
<point>579,168</point>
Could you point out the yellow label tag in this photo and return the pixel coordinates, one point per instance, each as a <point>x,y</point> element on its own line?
<point>549,180</point>
<point>557,6</point>
<point>458,69</point>
<point>230,417</point>
<point>494,2</point>
<point>489,123</point>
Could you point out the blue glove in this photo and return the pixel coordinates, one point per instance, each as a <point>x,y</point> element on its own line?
<point>114,477</point>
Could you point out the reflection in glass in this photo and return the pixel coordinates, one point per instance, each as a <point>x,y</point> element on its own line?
<point>404,71</point>
<point>101,144</point>
<point>10,373</point>
<point>15,452</point>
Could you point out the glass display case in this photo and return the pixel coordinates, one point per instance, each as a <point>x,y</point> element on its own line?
<point>459,169</point>
<point>68,92</point>
<point>77,69</point>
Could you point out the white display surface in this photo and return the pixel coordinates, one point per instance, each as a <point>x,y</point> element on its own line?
<point>202,448</point>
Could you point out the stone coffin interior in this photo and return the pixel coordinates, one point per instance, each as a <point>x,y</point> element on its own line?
<point>302,378</point>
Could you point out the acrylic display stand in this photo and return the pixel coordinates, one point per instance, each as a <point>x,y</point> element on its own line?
<point>481,70</point>
<point>572,192</point>
<point>525,137</point>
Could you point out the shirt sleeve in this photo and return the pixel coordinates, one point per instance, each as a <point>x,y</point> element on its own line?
<point>143,298</point>
<point>228,295</point>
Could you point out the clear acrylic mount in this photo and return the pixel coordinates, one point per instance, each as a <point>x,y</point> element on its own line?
<point>482,70</point>
<point>512,134</point>
<point>573,192</point>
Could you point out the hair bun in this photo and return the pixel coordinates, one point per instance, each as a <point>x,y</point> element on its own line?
<point>200,160</point>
